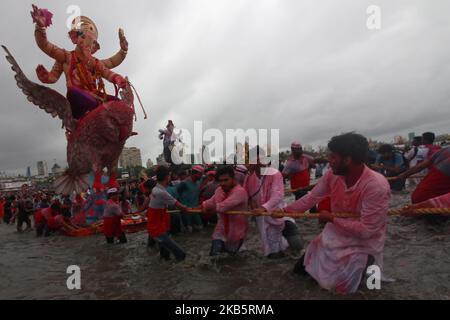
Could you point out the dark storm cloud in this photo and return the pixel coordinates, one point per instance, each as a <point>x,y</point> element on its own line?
<point>310,68</point>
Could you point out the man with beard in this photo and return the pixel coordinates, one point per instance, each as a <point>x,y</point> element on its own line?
<point>337,259</point>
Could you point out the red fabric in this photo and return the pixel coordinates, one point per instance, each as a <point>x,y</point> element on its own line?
<point>47,213</point>
<point>53,223</point>
<point>100,202</point>
<point>435,184</point>
<point>325,205</point>
<point>226,223</point>
<point>142,188</point>
<point>112,227</point>
<point>113,181</point>
<point>124,132</point>
<point>2,209</point>
<point>301,179</point>
<point>98,181</point>
<point>158,222</point>
<point>79,219</point>
<point>38,218</point>
<point>432,149</point>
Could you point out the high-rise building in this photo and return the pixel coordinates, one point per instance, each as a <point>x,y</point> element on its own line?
<point>28,172</point>
<point>42,168</point>
<point>130,157</point>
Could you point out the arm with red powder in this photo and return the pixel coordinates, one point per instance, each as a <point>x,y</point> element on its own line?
<point>320,192</point>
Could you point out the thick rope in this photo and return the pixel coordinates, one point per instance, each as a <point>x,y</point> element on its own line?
<point>297,215</point>
<point>393,212</point>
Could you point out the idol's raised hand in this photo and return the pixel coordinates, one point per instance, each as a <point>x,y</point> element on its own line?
<point>42,17</point>
<point>123,41</point>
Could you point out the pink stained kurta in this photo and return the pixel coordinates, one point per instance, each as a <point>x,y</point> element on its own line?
<point>441,202</point>
<point>231,229</point>
<point>338,257</point>
<point>267,191</point>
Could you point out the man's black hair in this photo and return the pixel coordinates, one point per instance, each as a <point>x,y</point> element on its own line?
<point>418,139</point>
<point>56,207</point>
<point>162,173</point>
<point>351,145</point>
<point>385,148</point>
<point>225,170</point>
<point>150,184</point>
<point>428,137</point>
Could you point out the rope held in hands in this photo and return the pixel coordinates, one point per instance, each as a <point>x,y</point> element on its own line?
<point>393,212</point>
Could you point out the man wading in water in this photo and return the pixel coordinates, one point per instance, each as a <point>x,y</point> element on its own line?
<point>158,224</point>
<point>339,256</point>
<point>230,230</point>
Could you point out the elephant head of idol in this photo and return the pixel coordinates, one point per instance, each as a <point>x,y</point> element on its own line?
<point>84,34</point>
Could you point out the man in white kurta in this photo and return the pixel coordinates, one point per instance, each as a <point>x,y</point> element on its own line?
<point>338,257</point>
<point>266,192</point>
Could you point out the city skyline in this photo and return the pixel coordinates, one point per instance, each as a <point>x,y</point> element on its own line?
<point>23,171</point>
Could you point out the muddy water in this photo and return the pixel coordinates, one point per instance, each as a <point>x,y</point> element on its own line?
<point>417,255</point>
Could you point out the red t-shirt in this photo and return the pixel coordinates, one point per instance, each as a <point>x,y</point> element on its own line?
<point>432,149</point>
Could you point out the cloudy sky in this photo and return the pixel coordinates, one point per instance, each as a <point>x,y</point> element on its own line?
<point>309,68</point>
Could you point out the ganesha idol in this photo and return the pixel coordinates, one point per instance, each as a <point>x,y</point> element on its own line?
<point>97,124</point>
